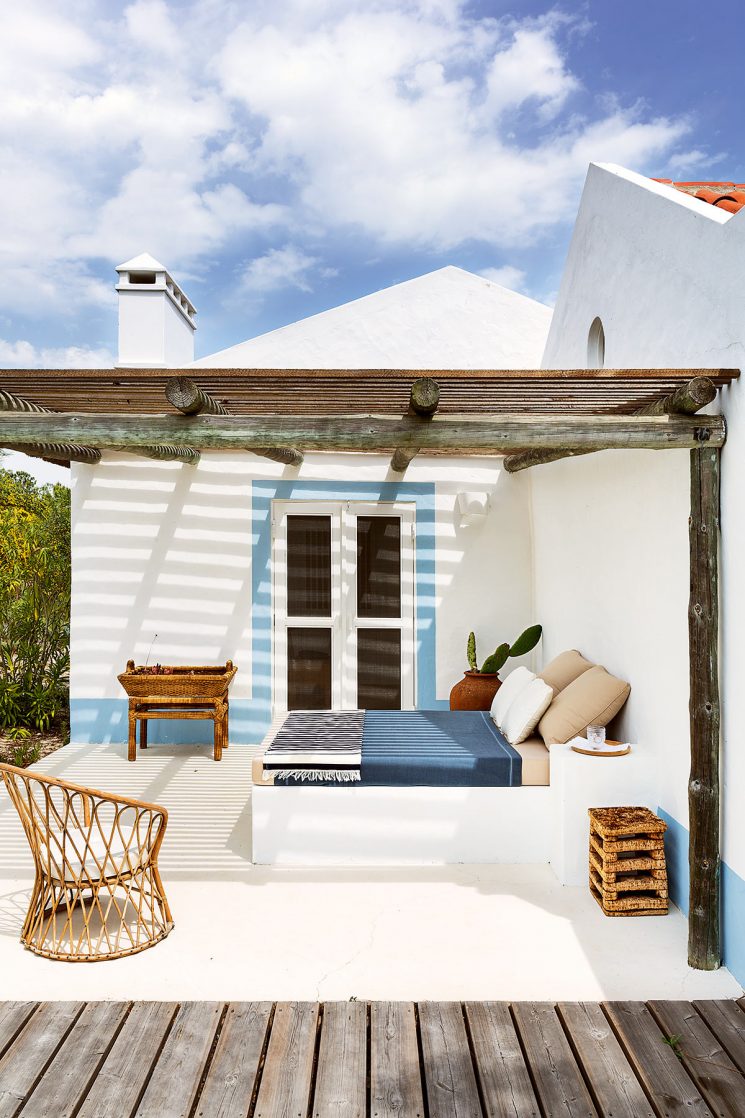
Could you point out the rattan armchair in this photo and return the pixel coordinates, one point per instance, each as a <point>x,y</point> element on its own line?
<point>97,892</point>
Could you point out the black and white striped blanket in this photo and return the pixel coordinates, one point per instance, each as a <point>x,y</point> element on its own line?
<point>317,746</point>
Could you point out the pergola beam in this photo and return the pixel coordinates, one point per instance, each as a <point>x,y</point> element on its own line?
<point>423,401</point>
<point>686,399</point>
<point>494,434</point>
<point>186,396</point>
<point>165,452</point>
<point>62,452</point>
<point>59,453</point>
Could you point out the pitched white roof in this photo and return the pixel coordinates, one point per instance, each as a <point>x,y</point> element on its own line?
<point>142,263</point>
<point>448,319</point>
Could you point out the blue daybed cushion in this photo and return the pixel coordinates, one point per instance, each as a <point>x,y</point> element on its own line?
<point>443,748</point>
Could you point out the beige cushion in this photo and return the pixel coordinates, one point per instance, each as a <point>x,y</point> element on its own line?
<point>595,696</point>
<point>564,669</point>
<point>509,690</point>
<point>524,712</point>
<point>536,762</point>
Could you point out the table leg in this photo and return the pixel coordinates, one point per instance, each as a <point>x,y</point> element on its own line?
<point>217,750</point>
<point>225,725</point>
<point>143,733</point>
<point>132,739</point>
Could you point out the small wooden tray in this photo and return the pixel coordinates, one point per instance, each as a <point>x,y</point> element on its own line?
<point>603,752</point>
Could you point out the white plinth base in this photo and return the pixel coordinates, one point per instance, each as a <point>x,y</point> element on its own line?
<point>359,826</point>
<point>579,782</point>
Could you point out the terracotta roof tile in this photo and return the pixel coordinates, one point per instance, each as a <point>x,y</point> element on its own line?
<point>728,196</point>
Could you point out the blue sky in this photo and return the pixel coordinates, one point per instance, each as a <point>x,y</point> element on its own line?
<point>284,157</point>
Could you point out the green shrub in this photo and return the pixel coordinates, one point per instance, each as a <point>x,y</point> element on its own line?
<point>34,601</point>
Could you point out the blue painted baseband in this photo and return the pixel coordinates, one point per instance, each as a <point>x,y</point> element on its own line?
<point>733,895</point>
<point>105,720</point>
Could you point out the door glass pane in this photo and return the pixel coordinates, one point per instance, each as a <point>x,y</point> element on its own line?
<point>309,566</point>
<point>308,669</point>
<point>378,566</point>
<point>379,669</point>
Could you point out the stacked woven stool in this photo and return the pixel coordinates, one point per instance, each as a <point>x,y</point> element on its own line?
<point>628,875</point>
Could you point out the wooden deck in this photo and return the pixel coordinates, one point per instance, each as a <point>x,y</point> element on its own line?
<point>372,1060</point>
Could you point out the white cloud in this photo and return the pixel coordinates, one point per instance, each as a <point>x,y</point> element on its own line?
<point>150,25</point>
<point>687,162</point>
<point>22,354</point>
<point>530,68</point>
<point>279,268</point>
<point>506,276</point>
<point>398,121</point>
<point>193,130</point>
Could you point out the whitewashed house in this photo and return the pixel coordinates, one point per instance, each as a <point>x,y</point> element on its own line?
<point>180,562</point>
<point>186,553</point>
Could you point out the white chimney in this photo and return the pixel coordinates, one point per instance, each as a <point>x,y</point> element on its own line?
<point>156,320</point>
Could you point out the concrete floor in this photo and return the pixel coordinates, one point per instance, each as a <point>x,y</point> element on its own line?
<point>245,932</point>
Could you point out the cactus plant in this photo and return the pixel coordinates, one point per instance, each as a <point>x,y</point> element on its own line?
<point>494,663</point>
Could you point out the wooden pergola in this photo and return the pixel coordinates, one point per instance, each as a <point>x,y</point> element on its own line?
<point>529,416</point>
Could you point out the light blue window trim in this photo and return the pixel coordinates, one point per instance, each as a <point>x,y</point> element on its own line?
<point>422,496</point>
<point>105,720</point>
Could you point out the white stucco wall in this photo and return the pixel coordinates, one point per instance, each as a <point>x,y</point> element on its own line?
<point>664,272</point>
<point>167,548</point>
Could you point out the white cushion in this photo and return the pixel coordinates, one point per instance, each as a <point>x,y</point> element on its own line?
<point>510,689</point>
<point>526,710</point>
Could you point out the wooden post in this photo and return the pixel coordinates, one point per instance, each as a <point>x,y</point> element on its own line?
<point>686,399</point>
<point>59,453</point>
<point>704,946</point>
<point>423,402</point>
<point>183,393</point>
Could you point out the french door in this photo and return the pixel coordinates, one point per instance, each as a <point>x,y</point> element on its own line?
<point>343,583</point>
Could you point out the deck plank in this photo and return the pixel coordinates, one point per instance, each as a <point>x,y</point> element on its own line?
<point>126,1069</point>
<point>611,1078</point>
<point>341,1088</point>
<point>395,1072</point>
<point>502,1072</point>
<point>284,1091</point>
<point>558,1081</point>
<point>26,1059</point>
<point>174,1083</point>
<point>449,1076</point>
<point>666,1082</point>
<point>727,1021</point>
<point>71,1072</point>
<point>231,1078</point>
<point>13,1016</point>
<point>703,1057</point>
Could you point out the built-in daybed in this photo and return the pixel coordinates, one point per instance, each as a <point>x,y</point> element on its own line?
<point>428,786</point>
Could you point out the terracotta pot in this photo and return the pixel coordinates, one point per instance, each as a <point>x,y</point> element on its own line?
<point>475,691</point>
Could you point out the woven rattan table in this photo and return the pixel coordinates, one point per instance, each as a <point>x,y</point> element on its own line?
<point>189,692</point>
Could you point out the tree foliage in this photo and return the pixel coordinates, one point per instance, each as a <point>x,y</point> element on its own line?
<point>34,601</point>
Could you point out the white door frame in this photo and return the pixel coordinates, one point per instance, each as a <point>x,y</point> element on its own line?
<point>343,622</point>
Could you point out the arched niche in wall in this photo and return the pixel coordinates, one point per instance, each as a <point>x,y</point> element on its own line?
<point>596,345</point>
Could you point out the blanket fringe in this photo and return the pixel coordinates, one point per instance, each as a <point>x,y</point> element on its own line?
<point>339,776</point>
